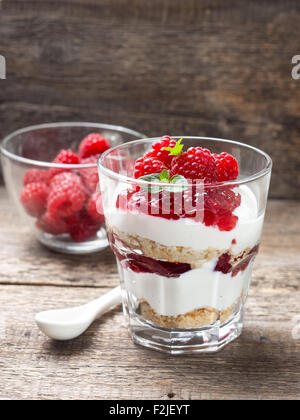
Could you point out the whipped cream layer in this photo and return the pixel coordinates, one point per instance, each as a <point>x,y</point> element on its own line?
<point>185,232</point>
<point>195,289</point>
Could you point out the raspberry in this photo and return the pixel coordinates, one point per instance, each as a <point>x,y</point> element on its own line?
<point>52,225</point>
<point>93,144</point>
<point>227,221</point>
<point>90,176</point>
<point>219,199</point>
<point>124,198</point>
<point>195,164</point>
<point>83,228</point>
<point>161,154</point>
<point>65,177</point>
<point>213,207</point>
<point>35,175</point>
<point>66,157</point>
<point>156,159</point>
<point>227,167</point>
<point>95,208</point>
<point>34,198</point>
<point>148,166</point>
<point>164,204</point>
<point>66,195</point>
<point>218,207</point>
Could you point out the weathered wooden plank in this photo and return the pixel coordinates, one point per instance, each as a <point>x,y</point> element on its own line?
<point>104,363</point>
<point>204,68</point>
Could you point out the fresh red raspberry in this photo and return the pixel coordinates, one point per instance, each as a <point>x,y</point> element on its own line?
<point>195,164</point>
<point>66,195</point>
<point>213,207</point>
<point>94,208</point>
<point>157,159</point>
<point>35,175</point>
<point>227,167</point>
<point>163,204</point>
<point>65,157</point>
<point>93,144</point>
<point>83,227</point>
<point>65,177</point>
<point>161,154</point>
<point>89,176</point>
<point>219,204</point>
<point>52,225</point>
<point>34,198</point>
<point>148,166</point>
<point>227,221</point>
<point>124,199</point>
<point>222,198</point>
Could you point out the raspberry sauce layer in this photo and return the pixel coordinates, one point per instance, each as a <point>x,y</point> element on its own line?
<point>226,264</point>
<point>141,264</point>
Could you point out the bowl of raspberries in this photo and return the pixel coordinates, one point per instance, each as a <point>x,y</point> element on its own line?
<point>50,172</point>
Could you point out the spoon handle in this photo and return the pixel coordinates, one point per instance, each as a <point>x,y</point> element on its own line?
<point>110,299</point>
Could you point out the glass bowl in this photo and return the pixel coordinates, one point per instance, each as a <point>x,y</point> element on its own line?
<point>31,151</point>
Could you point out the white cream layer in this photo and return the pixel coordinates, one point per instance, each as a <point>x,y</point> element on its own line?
<point>195,289</point>
<point>188,233</point>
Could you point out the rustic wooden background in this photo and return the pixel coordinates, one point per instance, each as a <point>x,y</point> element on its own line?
<point>189,67</point>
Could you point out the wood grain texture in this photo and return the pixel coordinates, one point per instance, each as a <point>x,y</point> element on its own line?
<point>196,68</point>
<point>104,363</point>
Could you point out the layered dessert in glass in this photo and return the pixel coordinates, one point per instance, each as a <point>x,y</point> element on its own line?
<point>184,218</point>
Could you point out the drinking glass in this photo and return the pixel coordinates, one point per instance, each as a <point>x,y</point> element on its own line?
<point>184,251</point>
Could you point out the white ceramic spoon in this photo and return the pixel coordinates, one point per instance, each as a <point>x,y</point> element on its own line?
<point>65,324</point>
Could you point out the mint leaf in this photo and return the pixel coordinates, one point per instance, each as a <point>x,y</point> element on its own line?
<point>164,176</point>
<point>150,178</point>
<point>180,183</point>
<point>176,150</point>
<point>178,179</point>
<point>177,183</point>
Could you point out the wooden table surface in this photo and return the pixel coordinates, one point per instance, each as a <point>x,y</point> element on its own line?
<point>104,363</point>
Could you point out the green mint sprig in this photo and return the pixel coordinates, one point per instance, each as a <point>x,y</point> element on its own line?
<point>176,150</point>
<point>178,183</point>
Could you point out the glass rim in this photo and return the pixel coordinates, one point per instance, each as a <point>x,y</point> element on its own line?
<point>65,124</point>
<point>127,179</point>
